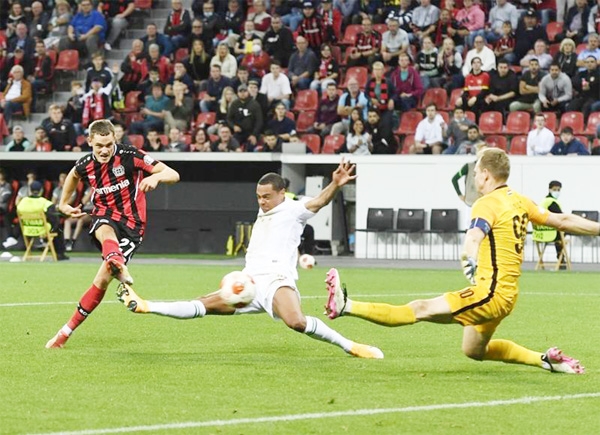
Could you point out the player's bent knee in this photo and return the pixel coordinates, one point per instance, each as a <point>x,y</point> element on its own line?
<point>297,323</point>
<point>473,353</point>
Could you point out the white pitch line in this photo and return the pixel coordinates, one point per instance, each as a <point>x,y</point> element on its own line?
<point>321,415</point>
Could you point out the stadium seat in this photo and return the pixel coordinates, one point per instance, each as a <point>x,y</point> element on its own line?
<point>3,127</point>
<point>68,60</point>
<point>518,145</point>
<point>551,121</point>
<point>497,141</point>
<point>305,121</point>
<point>410,223</point>
<point>34,226</point>
<point>553,49</point>
<point>444,115</point>
<point>181,54</point>
<point>592,124</point>
<point>333,143</point>
<point>352,31</point>
<point>143,4</point>
<point>290,115</point>
<point>444,224</point>
<point>164,139</point>
<point>470,116</point>
<point>454,95</point>
<point>360,73</point>
<point>380,221</point>
<point>491,122</point>
<point>580,48</point>
<point>307,99</point>
<point>132,117</point>
<point>206,119</point>
<point>518,123</point>
<point>380,28</point>
<point>437,96</point>
<point>132,102</point>
<point>553,29</point>
<point>336,53</point>
<point>408,142</point>
<point>313,142</point>
<point>137,140</point>
<point>584,140</point>
<point>574,120</point>
<point>53,55</point>
<point>409,122</point>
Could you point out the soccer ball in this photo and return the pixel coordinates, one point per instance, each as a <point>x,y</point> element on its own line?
<point>237,289</point>
<point>306,261</point>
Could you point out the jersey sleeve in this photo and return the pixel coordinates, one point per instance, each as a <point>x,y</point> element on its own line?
<point>302,213</point>
<point>537,214</point>
<point>144,161</point>
<point>483,215</point>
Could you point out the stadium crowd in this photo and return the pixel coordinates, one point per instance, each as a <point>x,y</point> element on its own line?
<point>339,75</point>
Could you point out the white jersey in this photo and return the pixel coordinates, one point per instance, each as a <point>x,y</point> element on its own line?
<point>276,234</point>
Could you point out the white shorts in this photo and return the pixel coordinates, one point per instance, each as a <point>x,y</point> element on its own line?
<point>266,286</point>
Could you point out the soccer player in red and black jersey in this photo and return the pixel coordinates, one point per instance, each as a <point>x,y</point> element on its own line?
<point>119,175</point>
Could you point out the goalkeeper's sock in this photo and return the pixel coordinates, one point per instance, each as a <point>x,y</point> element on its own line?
<point>315,328</point>
<point>110,249</point>
<point>88,302</point>
<point>509,352</point>
<point>382,314</point>
<point>178,310</point>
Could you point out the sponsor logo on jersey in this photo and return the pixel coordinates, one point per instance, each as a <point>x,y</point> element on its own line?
<point>119,171</point>
<point>109,189</point>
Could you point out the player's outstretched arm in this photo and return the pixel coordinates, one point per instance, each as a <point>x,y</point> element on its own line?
<point>573,224</point>
<point>341,176</point>
<point>161,173</point>
<point>68,188</point>
<point>473,239</point>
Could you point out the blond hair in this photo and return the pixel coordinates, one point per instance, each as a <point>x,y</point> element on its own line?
<point>496,162</point>
<point>103,127</point>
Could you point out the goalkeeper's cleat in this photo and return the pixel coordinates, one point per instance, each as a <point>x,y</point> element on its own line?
<point>131,300</point>
<point>58,341</point>
<point>555,361</point>
<point>364,351</point>
<point>118,270</point>
<point>337,295</point>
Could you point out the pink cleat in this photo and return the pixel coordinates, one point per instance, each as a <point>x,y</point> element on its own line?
<point>58,341</point>
<point>337,295</point>
<point>118,270</point>
<point>555,361</point>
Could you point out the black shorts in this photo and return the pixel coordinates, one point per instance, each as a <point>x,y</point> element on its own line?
<point>129,241</point>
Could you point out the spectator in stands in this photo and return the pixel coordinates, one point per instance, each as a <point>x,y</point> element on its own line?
<point>381,134</point>
<point>57,191</point>
<point>201,141</point>
<point>271,143</point>
<point>179,110</point>
<point>19,142</point>
<point>18,58</point>
<point>313,28</point>
<point>472,143</point>
<point>352,99</point>
<point>226,142</point>
<point>178,25</point>
<point>593,24</point>
<point>211,21</point>
<point>331,18</point>
<point>153,37</point>
<point>59,130</point>
<point>501,13</point>
<point>176,143</point>
<point>567,57</point>
<point>43,72</point>
<point>70,236</point>
<point>504,48</point>
<point>145,87</point>
<point>17,94</point>
<point>86,31</point>
<point>198,33</point>
<point>257,62</point>
<point>407,84</point>
<point>529,89</point>
<point>592,49</point>
<point>328,71</point>
<point>279,41</point>
<point>393,42</point>
<point>276,86</point>
<point>477,86</point>
<point>214,89</point>
<point>380,92</point>
<point>153,112</point>
<point>556,90</point>
<point>198,65</point>
<point>576,22</point>
<point>243,45</point>
<point>116,13</point>
<point>59,23</point>
<point>528,31</point>
<point>245,118</point>
<point>74,108</point>
<point>539,52</point>
<point>358,141</point>
<point>120,136</point>
<point>540,140</point>
<point>471,20</point>
<point>132,67</point>
<point>447,27</point>
<point>97,102</point>
<point>504,87</point>
<point>152,142</point>
<point>424,20</point>
<point>227,97</point>
<point>15,17</point>
<point>302,65</point>
<point>38,21</point>
<point>156,61</point>
<point>449,63</point>
<point>225,60</point>
<point>426,62</point>
<point>234,18</point>
<point>242,77</point>
<point>484,53</point>
<point>281,125</point>
<point>568,145</point>
<point>403,14</point>
<point>368,45</point>
<point>99,70</point>
<point>261,99</point>
<point>180,75</point>
<point>348,8</point>
<point>457,130</point>
<point>41,143</point>
<point>262,20</point>
<point>23,41</point>
<point>587,85</point>
<point>429,137</point>
<point>6,192</point>
<point>327,111</point>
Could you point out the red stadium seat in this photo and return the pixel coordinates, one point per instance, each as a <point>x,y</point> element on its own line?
<point>518,123</point>
<point>380,28</point>
<point>333,143</point>
<point>574,120</point>
<point>290,115</point>
<point>497,141</point>
<point>336,53</point>
<point>408,142</point>
<point>132,102</point>
<point>360,73</point>
<point>305,121</point>
<point>581,47</point>
<point>444,115</point>
<point>53,55</point>
<point>143,4</point>
<point>307,99</point>
<point>553,49</point>
<point>551,121</point>
<point>437,96</point>
<point>553,29</point>
<point>313,142</point>
<point>206,119</point>
<point>137,140</point>
<point>409,122</point>
<point>352,31</point>
<point>68,60</point>
<point>518,145</point>
<point>181,54</point>
<point>592,123</point>
<point>454,95</point>
<point>470,116</point>
<point>491,123</point>
<point>164,139</point>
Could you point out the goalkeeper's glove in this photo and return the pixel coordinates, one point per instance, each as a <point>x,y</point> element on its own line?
<point>469,266</point>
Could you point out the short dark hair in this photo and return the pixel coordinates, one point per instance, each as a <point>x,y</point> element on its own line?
<point>431,105</point>
<point>567,129</point>
<point>274,180</point>
<point>269,133</point>
<point>503,61</point>
<point>473,127</point>
<point>556,64</point>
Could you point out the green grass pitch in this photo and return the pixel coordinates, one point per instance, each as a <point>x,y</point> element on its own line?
<point>121,370</point>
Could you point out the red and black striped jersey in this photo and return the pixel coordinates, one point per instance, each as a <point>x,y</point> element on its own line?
<point>310,28</point>
<point>116,193</point>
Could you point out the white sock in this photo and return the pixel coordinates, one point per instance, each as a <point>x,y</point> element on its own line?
<point>178,310</point>
<point>347,307</point>
<point>66,330</point>
<point>315,328</point>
